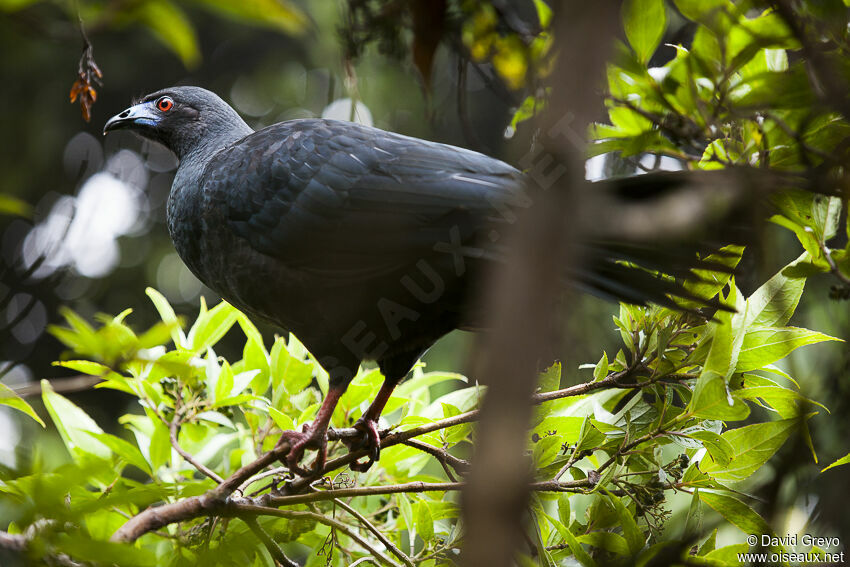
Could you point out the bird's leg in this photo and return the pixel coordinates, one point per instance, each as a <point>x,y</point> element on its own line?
<point>313,436</point>
<point>368,423</point>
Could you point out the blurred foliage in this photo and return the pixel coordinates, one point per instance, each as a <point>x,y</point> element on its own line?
<point>691,416</point>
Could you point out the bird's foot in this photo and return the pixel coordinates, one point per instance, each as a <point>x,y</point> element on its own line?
<point>371,440</point>
<point>299,441</point>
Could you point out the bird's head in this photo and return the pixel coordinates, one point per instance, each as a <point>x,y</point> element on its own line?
<point>182,119</point>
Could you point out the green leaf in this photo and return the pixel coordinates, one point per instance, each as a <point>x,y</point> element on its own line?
<point>123,449</point>
<point>693,522</point>
<point>544,13</point>
<point>634,536</point>
<point>752,446</point>
<point>738,513</point>
<point>711,282</point>
<point>806,237</point>
<point>718,448</point>
<point>727,555</point>
<point>166,313</point>
<point>644,22</point>
<point>160,448</point>
<point>546,450</point>
<point>713,400</point>
<point>842,461</point>
<point>281,419</point>
<point>826,212</point>
<point>282,15</point>
<point>550,379</point>
<point>8,397</point>
<point>224,382</point>
<point>775,301</point>
<point>284,368</point>
<point>85,367</point>
<point>157,335</point>
<point>81,336</point>
<point>766,345</point>
<point>600,371</point>
<point>170,25</point>
<point>700,10</point>
<point>406,511</point>
<point>575,546</point>
<point>73,425</point>
<point>710,543</point>
<point>609,541</point>
<point>212,325</point>
<point>14,5</point>
<point>10,205</point>
<point>424,522</point>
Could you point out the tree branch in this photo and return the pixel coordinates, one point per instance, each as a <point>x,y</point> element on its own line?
<point>214,501</point>
<point>172,428</point>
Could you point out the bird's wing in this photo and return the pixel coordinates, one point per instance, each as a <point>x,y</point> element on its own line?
<point>354,202</point>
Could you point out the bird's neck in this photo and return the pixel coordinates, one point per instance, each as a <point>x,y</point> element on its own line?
<point>214,138</point>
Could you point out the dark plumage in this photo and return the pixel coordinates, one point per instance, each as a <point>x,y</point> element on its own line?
<point>364,243</point>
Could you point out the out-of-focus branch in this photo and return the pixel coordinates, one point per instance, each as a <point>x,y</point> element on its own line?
<point>521,299</point>
<point>60,385</point>
<point>827,79</point>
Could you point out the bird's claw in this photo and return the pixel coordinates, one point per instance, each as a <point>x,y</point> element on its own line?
<point>300,441</point>
<point>371,440</point>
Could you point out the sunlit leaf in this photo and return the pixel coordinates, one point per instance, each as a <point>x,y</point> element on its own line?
<point>8,397</point>
<point>644,22</point>
<point>172,27</point>
<point>842,461</point>
<point>73,425</point>
<point>766,345</point>
<point>752,446</point>
<point>282,15</point>
<point>738,513</point>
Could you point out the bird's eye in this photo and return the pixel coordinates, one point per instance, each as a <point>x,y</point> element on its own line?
<point>164,104</point>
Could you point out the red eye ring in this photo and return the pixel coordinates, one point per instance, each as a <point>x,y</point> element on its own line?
<point>164,104</point>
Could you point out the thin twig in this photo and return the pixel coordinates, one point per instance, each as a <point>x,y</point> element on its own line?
<point>274,549</point>
<point>798,137</point>
<point>444,457</point>
<point>833,267</point>
<point>369,526</point>
<point>242,510</point>
<point>260,476</point>
<point>172,428</point>
<point>324,495</point>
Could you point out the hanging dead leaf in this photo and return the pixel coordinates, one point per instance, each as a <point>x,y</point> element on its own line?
<point>88,75</point>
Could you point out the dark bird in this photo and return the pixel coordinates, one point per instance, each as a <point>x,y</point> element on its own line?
<point>367,245</point>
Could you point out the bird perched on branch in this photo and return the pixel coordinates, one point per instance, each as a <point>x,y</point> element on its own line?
<point>367,245</point>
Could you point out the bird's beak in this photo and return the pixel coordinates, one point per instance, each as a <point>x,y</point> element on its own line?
<point>136,117</point>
